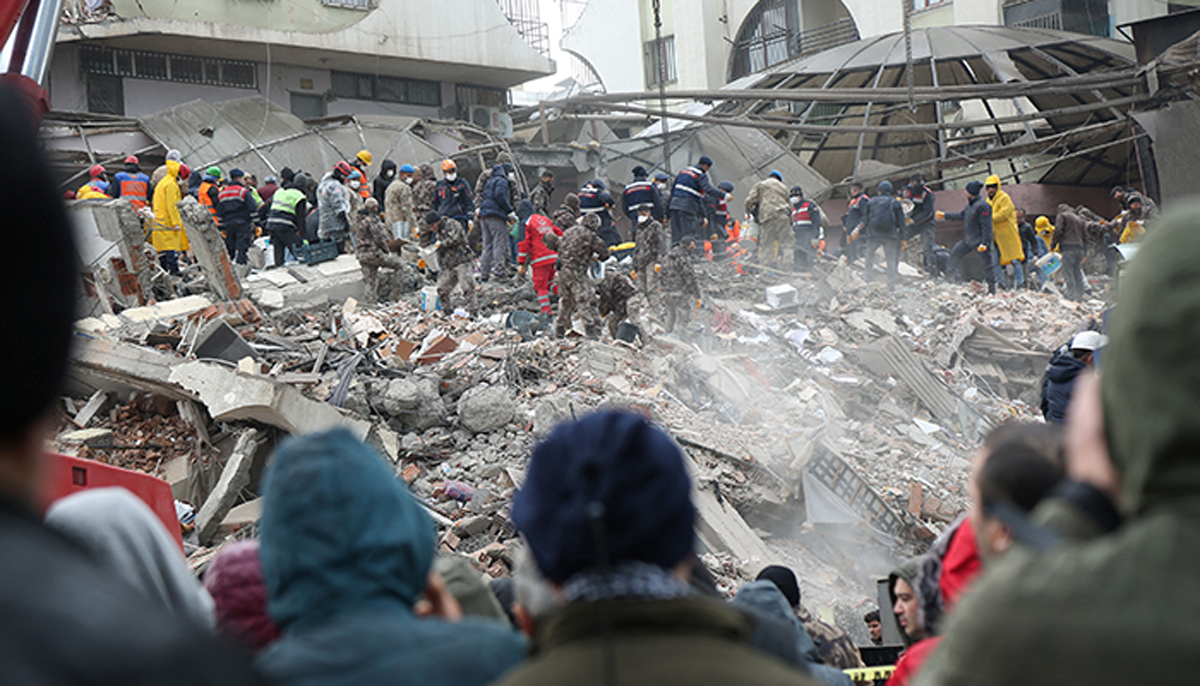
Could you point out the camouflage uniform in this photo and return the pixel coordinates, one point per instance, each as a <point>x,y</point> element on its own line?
<point>423,189</point>
<point>540,197</point>
<point>679,285</point>
<point>615,292</point>
<point>456,262</point>
<point>834,645</point>
<point>370,241</point>
<point>578,246</point>
<point>567,213</point>
<point>650,249</point>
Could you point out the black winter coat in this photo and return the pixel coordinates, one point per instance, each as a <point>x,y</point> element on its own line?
<point>1058,384</point>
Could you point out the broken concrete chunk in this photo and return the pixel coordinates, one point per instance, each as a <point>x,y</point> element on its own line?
<point>783,295</point>
<point>401,396</point>
<point>485,408</point>
<point>234,477</point>
<point>88,436</point>
<point>94,404</point>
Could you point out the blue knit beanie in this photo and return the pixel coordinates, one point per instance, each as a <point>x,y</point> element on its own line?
<point>632,470</point>
<point>974,187</point>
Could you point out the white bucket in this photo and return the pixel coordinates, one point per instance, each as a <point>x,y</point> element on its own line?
<point>429,299</point>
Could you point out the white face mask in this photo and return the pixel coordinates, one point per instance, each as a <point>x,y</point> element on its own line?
<point>512,177</point>
<point>355,184</point>
<point>643,218</point>
<point>661,186</point>
<point>408,180</point>
<point>795,200</point>
<point>451,176</point>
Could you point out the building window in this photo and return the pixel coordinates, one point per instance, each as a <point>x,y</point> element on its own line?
<point>1078,16</point>
<point>918,5</point>
<point>163,67</point>
<point>766,37</point>
<point>651,54</point>
<point>364,5</point>
<point>308,105</point>
<point>105,94</point>
<point>346,84</point>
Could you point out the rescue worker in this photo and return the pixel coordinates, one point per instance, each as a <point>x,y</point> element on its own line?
<point>662,184</point>
<point>452,196</point>
<point>649,253</point>
<point>806,229</point>
<point>132,184</point>
<point>977,224</point>
<point>160,172</point>
<point>355,182</point>
<point>856,212</point>
<point>1068,362</point>
<point>486,173</point>
<point>920,219</point>
<point>578,248</point>
<point>614,293</point>
<point>424,196</point>
<point>387,174</point>
<point>266,192</point>
<point>884,224</point>
<point>768,203</point>
<point>1004,230</point>
<point>1069,238</point>
<point>167,236</point>
<point>640,192</point>
<point>455,261</point>
<point>688,200</point>
<point>371,250</point>
<point>541,195</point>
<point>567,214</point>
<point>494,211</point>
<point>360,163</point>
<point>833,645</point>
<point>333,202</point>
<point>399,203</point>
<point>1033,249</point>
<point>1125,196</point>
<point>285,220</point>
<point>209,192</point>
<point>595,199</point>
<point>679,284</point>
<point>721,211</point>
<point>537,251</point>
<point>96,188</point>
<point>236,207</point>
<point>1045,232</point>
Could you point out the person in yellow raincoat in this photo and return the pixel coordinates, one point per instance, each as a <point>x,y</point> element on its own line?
<point>1045,230</point>
<point>1004,230</point>
<point>167,234</point>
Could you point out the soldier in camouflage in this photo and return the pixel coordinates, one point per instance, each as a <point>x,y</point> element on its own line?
<point>615,292</point>
<point>834,645</point>
<point>679,283</point>
<point>371,249</point>
<point>540,196</point>
<point>423,189</point>
<point>649,252</point>
<point>576,250</point>
<point>455,260</point>
<point>567,213</point>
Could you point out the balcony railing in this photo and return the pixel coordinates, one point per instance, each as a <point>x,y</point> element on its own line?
<point>527,20</point>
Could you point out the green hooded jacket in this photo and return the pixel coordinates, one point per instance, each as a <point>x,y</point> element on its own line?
<point>1120,608</point>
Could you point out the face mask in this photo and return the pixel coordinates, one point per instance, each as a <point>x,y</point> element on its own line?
<point>660,186</point>
<point>512,177</point>
<point>389,174</point>
<point>795,200</point>
<point>408,180</point>
<point>355,184</point>
<point>451,176</point>
<point>643,218</point>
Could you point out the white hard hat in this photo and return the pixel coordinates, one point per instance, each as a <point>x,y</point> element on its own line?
<point>1088,340</point>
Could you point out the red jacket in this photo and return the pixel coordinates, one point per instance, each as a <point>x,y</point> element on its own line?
<point>960,566</point>
<point>912,660</point>
<point>532,249</point>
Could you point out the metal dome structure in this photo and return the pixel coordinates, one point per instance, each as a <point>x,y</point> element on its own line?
<point>1051,105</point>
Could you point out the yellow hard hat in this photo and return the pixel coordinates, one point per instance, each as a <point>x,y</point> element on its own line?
<point>992,180</point>
<point>365,156</point>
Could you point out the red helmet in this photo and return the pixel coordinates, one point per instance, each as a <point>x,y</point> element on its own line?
<point>132,159</point>
<point>343,168</point>
<point>184,171</point>
<point>96,170</point>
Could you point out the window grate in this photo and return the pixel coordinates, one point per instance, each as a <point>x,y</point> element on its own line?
<point>651,56</point>
<point>346,84</point>
<point>139,64</point>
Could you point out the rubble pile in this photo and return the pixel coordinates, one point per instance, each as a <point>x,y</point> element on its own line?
<point>829,422</point>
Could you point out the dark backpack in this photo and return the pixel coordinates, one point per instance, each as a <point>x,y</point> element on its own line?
<point>881,218</point>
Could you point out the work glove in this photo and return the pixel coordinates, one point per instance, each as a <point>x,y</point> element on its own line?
<point>908,220</point>
<point>939,215</point>
<point>306,242</point>
<point>814,242</point>
<point>854,234</point>
<point>512,217</point>
<point>657,268</point>
<point>712,237</point>
<point>421,264</point>
<point>903,245</point>
<point>982,248</point>
<point>521,269</point>
<point>437,245</point>
<point>633,275</point>
<point>698,303</point>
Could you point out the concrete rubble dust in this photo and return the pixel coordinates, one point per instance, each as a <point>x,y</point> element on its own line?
<point>831,432</point>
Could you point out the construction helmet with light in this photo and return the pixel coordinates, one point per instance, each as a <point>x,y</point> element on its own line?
<point>448,165</point>
<point>343,168</point>
<point>184,171</point>
<point>364,156</point>
<point>96,170</point>
<point>132,159</point>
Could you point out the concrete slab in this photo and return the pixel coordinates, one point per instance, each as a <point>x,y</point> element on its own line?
<point>88,411</point>
<point>246,513</point>
<point>275,277</point>
<point>168,309</point>
<point>343,264</point>
<point>333,281</point>
<point>230,396</point>
<point>234,477</point>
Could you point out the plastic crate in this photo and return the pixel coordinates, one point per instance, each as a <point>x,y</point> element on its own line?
<point>322,251</point>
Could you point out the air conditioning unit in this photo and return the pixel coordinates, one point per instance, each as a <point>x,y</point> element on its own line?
<point>492,119</point>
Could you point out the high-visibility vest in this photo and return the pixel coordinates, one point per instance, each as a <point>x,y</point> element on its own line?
<point>203,197</point>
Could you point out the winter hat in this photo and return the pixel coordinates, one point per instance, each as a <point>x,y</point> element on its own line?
<point>432,217</point>
<point>287,174</point>
<point>524,210</point>
<point>705,160</point>
<point>371,205</point>
<point>590,221</point>
<point>639,172</point>
<point>235,581</point>
<point>974,187</point>
<point>785,579</point>
<point>885,187</point>
<point>619,468</point>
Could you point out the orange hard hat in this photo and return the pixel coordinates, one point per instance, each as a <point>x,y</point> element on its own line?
<point>448,164</point>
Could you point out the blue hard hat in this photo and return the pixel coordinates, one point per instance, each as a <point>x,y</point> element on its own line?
<point>661,176</point>
<point>407,169</point>
<point>776,174</point>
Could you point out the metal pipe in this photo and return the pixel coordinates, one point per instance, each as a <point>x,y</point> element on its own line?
<point>41,17</point>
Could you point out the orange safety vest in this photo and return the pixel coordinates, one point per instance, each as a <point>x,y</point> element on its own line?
<point>135,190</point>
<point>202,196</point>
